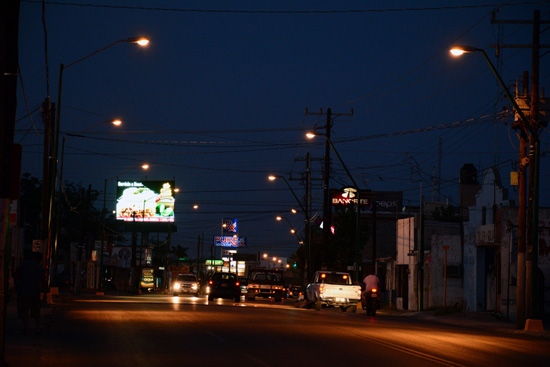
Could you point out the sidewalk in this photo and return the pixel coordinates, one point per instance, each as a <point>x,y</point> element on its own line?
<point>22,349</point>
<point>478,320</point>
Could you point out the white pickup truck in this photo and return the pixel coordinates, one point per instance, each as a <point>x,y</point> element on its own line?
<point>333,288</point>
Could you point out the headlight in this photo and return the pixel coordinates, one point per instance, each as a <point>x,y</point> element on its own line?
<point>177,286</point>
<point>194,286</point>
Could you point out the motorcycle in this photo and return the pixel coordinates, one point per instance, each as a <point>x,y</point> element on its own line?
<point>370,301</point>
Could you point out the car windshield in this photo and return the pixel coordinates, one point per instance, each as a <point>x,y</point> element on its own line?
<point>187,278</point>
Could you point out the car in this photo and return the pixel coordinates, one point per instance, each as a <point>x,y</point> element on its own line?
<point>244,284</point>
<point>224,285</point>
<point>293,291</point>
<point>186,284</point>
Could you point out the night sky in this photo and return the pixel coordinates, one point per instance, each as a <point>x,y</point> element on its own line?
<point>217,100</point>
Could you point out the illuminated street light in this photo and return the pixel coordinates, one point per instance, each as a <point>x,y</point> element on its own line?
<point>54,238</point>
<point>292,230</point>
<point>53,174</point>
<point>311,135</point>
<point>459,50</point>
<point>307,221</point>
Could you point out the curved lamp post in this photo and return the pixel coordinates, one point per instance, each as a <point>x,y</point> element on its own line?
<point>115,122</point>
<point>142,41</point>
<point>459,50</point>
<point>311,135</point>
<point>292,230</point>
<point>307,220</point>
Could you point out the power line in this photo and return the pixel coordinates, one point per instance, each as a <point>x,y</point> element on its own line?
<point>228,11</point>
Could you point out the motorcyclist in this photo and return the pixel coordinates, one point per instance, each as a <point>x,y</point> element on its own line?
<point>371,281</point>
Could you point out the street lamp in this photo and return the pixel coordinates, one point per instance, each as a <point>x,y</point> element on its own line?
<point>115,122</point>
<point>142,41</point>
<point>292,230</point>
<point>306,218</point>
<point>459,50</point>
<point>311,135</point>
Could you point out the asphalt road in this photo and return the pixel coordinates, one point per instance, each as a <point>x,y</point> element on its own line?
<point>157,330</point>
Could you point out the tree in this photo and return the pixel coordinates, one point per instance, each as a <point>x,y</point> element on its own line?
<point>179,252</point>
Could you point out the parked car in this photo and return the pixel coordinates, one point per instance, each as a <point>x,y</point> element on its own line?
<point>186,284</point>
<point>224,285</point>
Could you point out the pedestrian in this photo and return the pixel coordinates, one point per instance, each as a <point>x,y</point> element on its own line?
<point>29,279</point>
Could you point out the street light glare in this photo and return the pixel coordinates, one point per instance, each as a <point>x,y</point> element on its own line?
<point>145,166</point>
<point>458,50</point>
<point>116,122</point>
<point>272,178</point>
<point>142,41</point>
<point>279,218</point>
<point>310,135</point>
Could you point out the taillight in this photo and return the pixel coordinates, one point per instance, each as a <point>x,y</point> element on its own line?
<point>237,284</point>
<point>211,282</point>
<point>321,290</point>
<point>374,290</point>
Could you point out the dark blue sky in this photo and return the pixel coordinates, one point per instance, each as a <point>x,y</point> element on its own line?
<point>217,100</point>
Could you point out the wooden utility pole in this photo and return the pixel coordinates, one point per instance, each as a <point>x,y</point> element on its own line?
<point>527,297</point>
<point>307,214</point>
<point>327,211</point>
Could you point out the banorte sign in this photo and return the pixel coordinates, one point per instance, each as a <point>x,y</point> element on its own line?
<point>386,201</point>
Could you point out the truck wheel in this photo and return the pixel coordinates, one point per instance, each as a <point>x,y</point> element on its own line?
<point>352,309</point>
<point>318,305</point>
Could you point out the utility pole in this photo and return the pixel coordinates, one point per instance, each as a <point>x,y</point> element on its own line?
<point>9,55</point>
<point>327,211</point>
<point>528,299</point>
<point>307,240</point>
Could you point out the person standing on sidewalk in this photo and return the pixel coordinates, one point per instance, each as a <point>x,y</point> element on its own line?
<point>29,278</point>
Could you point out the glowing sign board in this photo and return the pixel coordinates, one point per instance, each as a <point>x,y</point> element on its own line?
<point>229,241</point>
<point>386,201</point>
<point>145,201</point>
<point>229,225</point>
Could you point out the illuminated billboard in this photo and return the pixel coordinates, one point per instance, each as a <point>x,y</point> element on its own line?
<point>229,225</point>
<point>145,201</point>
<point>386,201</point>
<point>229,241</point>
